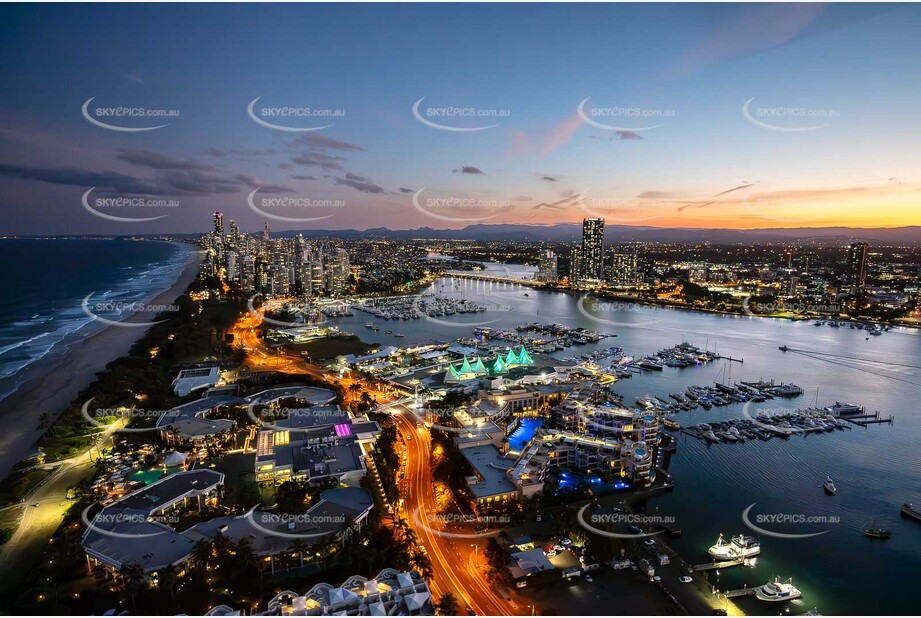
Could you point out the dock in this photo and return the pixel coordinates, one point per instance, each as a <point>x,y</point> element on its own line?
<point>738,592</point>
<point>863,420</point>
<point>712,566</point>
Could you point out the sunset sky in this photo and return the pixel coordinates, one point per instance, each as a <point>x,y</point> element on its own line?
<point>706,142</point>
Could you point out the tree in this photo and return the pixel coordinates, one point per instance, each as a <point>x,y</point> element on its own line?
<point>298,546</point>
<point>167,579</point>
<point>447,605</point>
<point>133,580</point>
<point>201,554</point>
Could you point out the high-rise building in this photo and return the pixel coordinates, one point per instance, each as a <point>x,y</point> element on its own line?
<point>219,223</point>
<point>857,266</point>
<point>248,273</point>
<point>575,266</point>
<point>266,235</point>
<point>547,267</point>
<point>592,249</point>
<point>624,268</point>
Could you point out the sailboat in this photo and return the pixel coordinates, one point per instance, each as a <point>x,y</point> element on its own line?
<point>876,533</point>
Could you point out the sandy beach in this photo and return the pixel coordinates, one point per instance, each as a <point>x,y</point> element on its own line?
<point>58,382</point>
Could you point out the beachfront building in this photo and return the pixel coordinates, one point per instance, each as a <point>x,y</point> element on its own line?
<point>191,380</point>
<point>139,528</point>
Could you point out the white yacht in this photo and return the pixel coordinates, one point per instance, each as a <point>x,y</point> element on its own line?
<point>829,486</point>
<point>741,546</point>
<point>777,590</point>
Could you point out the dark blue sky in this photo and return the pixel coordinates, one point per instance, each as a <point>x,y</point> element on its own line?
<point>687,153</point>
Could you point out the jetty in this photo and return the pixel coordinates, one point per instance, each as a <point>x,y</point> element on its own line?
<point>712,566</point>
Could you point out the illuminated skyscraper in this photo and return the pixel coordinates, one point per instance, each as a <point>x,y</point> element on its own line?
<point>219,223</point>
<point>547,267</point>
<point>592,250</point>
<point>857,266</point>
<point>624,269</point>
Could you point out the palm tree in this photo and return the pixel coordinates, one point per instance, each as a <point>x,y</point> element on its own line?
<point>133,580</point>
<point>167,579</point>
<point>201,554</point>
<point>447,605</point>
<point>298,546</point>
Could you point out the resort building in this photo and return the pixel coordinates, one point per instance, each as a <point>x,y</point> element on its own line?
<point>318,443</point>
<point>190,380</point>
<point>468,370</point>
<point>136,530</point>
<point>390,593</point>
<point>341,511</point>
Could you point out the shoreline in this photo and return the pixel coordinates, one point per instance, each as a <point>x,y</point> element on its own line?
<point>676,306</point>
<point>58,381</point>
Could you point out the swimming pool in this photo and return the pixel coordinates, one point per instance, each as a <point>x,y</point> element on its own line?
<point>519,438</point>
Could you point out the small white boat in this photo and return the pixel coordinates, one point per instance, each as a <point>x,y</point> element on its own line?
<point>829,486</point>
<point>741,546</point>
<point>776,591</point>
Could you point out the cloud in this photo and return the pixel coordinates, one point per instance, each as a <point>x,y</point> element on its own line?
<point>303,177</point>
<point>322,142</point>
<point>629,135</point>
<point>522,198</point>
<point>469,169</point>
<point>159,161</point>
<point>135,76</point>
<point>560,134</point>
<point>657,195</point>
<point>215,152</point>
<point>550,177</point>
<point>405,190</point>
<point>357,182</point>
<point>319,159</point>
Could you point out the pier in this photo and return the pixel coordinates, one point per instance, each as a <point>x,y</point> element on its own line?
<point>864,420</point>
<point>738,592</point>
<point>712,566</point>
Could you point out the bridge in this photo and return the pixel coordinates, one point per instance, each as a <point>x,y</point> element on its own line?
<point>493,278</point>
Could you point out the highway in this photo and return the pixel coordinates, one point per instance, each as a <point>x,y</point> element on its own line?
<point>458,568</point>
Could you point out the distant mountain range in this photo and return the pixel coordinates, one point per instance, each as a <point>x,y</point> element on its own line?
<point>570,232</point>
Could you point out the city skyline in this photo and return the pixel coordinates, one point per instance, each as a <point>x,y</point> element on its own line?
<point>742,117</point>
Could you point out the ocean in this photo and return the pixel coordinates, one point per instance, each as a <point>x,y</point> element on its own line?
<point>41,309</point>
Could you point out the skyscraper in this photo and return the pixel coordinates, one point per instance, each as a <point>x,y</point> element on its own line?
<point>857,266</point>
<point>624,268</point>
<point>219,223</point>
<point>547,267</point>
<point>592,249</point>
